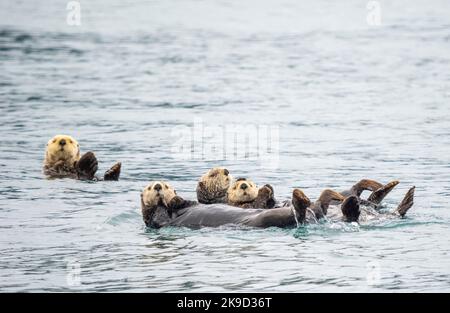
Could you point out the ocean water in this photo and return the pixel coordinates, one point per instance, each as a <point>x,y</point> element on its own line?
<point>344,100</point>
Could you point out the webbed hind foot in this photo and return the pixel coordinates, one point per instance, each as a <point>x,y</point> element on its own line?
<point>300,202</point>
<point>407,202</point>
<point>378,195</point>
<point>365,184</point>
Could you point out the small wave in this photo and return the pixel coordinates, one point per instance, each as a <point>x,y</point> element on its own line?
<point>129,216</point>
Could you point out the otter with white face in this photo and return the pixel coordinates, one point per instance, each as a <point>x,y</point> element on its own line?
<point>62,151</point>
<point>242,191</point>
<point>245,194</point>
<point>213,185</point>
<point>158,192</point>
<point>155,194</point>
<point>62,159</point>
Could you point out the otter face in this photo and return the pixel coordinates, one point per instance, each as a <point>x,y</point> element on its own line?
<point>217,180</point>
<point>242,191</point>
<point>62,148</point>
<point>157,192</point>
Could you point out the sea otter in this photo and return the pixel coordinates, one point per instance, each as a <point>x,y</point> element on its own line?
<point>62,159</point>
<point>217,186</point>
<point>161,206</point>
<point>243,193</point>
<point>213,185</point>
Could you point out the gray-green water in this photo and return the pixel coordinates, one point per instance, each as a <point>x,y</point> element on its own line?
<point>350,101</point>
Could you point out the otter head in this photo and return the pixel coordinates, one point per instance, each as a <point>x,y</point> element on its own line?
<point>62,148</point>
<point>154,203</point>
<point>213,185</point>
<point>242,191</point>
<point>157,193</point>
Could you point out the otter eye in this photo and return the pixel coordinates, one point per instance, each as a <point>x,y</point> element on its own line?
<point>149,188</point>
<point>70,141</point>
<point>54,140</point>
<point>167,187</point>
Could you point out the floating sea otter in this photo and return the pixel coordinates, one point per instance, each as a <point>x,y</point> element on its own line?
<point>217,186</point>
<point>213,185</point>
<point>62,159</point>
<point>161,206</point>
<point>243,193</point>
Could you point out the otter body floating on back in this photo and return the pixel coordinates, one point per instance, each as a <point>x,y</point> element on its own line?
<point>161,206</point>
<point>62,159</point>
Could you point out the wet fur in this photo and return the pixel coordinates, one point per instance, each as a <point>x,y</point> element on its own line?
<point>213,185</point>
<point>64,161</point>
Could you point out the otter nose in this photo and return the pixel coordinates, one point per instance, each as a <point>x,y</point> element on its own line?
<point>157,187</point>
<point>62,142</point>
<point>244,186</point>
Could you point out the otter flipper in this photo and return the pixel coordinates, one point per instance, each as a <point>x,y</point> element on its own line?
<point>350,209</point>
<point>86,166</point>
<point>113,173</point>
<point>365,184</point>
<point>407,202</point>
<point>378,195</point>
<point>326,198</point>
<point>300,202</point>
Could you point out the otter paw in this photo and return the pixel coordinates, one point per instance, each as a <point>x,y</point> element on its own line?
<point>87,166</point>
<point>265,195</point>
<point>269,186</point>
<point>113,173</point>
<point>176,203</point>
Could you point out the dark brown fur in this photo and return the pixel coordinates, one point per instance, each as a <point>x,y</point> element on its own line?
<point>84,169</point>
